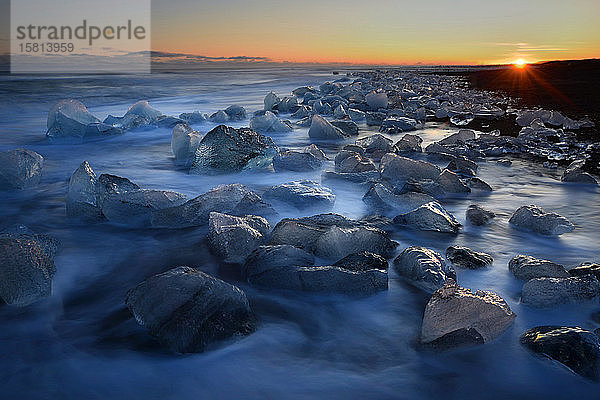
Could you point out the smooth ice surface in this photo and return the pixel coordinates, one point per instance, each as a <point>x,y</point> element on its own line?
<point>82,343</point>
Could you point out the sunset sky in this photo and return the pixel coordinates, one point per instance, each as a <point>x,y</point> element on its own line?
<point>380,31</point>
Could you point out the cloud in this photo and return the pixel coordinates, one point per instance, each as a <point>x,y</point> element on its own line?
<point>161,56</point>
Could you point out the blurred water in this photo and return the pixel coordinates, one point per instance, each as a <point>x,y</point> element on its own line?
<point>82,344</point>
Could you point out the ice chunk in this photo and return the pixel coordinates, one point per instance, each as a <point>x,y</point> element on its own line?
<point>268,122</point>
<point>184,142</point>
<point>321,129</point>
<point>82,198</point>
<point>69,118</point>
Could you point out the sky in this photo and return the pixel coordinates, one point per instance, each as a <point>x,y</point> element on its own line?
<point>380,31</point>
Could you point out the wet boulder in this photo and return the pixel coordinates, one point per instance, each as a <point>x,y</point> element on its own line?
<point>535,219</point>
<point>453,309</point>
<point>323,279</point>
<point>265,258</point>
<point>348,161</point>
<point>429,217</point>
<point>226,150</point>
<point>184,142</point>
<point>381,197</point>
<point>234,238</point>
<point>376,146</point>
<point>321,129</point>
<point>423,268</point>
<point>478,184</point>
<point>575,173</point>
<point>574,347</point>
<point>465,257</point>
<point>332,236</point>
<point>362,261</point>
<point>82,197</point>
<point>400,169</point>
<point>409,144</point>
<point>394,125</point>
<point>20,169</point>
<point>450,182</point>
<point>26,270</point>
<point>551,292</point>
<point>308,159</point>
<point>586,269</point>
<point>527,267</point>
<point>187,310</point>
<point>48,243</point>
<point>348,128</point>
<point>478,215</point>
<point>235,199</point>
<point>135,208</point>
<point>302,194</point>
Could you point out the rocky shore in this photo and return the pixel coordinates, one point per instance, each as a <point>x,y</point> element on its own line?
<point>403,186</point>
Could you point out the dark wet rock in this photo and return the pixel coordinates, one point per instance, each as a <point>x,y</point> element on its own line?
<point>323,279</point>
<point>321,129</point>
<point>349,128</point>
<point>48,243</point>
<point>575,173</point>
<point>309,159</point>
<point>430,217</point>
<point>374,118</point>
<point>400,169</point>
<point>586,269</point>
<point>478,184</point>
<point>376,146</point>
<point>234,238</point>
<point>192,118</point>
<point>461,136</point>
<point>451,183</point>
<point>302,91</point>
<point>478,215</point>
<point>225,150</point>
<point>535,219</point>
<point>267,122</point>
<point>20,169</point>
<point>362,261</point>
<point>347,161</point>
<point>265,258</point>
<point>462,337</point>
<point>551,292</point>
<point>409,144</point>
<point>423,268</point>
<point>82,198</point>
<point>229,199</point>
<point>527,267</point>
<point>184,142</point>
<point>574,347</point>
<point>505,162</point>
<point>302,112</point>
<point>236,113</point>
<point>26,270</point>
<point>427,186</point>
<point>462,166</point>
<point>394,125</point>
<point>355,177</point>
<point>135,208</point>
<point>332,236</point>
<point>466,258</point>
<point>356,115</point>
<point>187,310</point>
<point>382,197</point>
<point>453,308</point>
<point>302,194</point>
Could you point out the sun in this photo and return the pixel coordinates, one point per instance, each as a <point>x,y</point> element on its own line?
<point>520,63</point>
